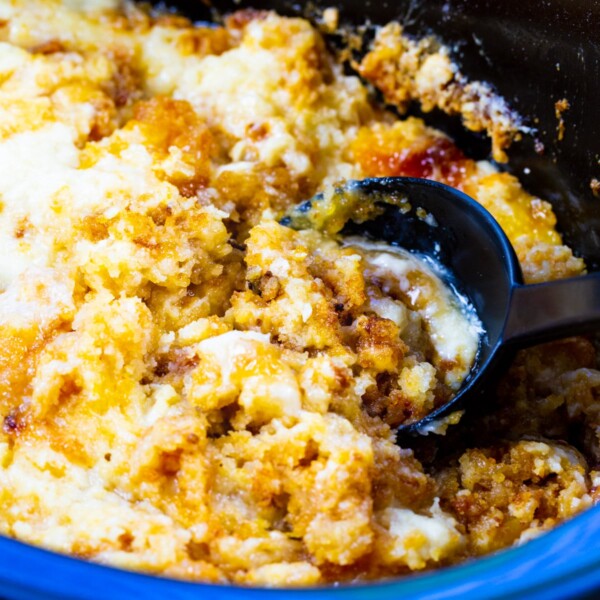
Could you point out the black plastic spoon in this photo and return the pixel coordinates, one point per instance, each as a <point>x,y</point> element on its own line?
<point>436,220</point>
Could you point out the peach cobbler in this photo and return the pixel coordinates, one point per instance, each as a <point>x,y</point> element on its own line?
<point>190,388</point>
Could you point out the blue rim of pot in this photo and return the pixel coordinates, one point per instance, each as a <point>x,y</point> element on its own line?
<point>563,563</point>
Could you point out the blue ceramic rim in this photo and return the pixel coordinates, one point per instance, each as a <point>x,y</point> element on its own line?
<point>562,563</point>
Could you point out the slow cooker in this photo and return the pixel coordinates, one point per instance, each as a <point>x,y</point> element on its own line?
<point>534,54</point>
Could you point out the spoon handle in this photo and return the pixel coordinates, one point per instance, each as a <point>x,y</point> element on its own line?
<point>547,311</point>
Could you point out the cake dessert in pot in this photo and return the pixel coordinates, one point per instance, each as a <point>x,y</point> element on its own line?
<point>190,388</point>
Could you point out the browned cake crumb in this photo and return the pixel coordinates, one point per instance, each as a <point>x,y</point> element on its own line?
<point>406,70</point>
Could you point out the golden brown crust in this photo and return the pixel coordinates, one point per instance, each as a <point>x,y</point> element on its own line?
<point>407,71</point>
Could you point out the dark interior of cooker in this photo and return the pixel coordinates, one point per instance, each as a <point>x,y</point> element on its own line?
<point>534,54</point>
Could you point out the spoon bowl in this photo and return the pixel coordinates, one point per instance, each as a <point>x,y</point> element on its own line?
<point>435,220</point>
